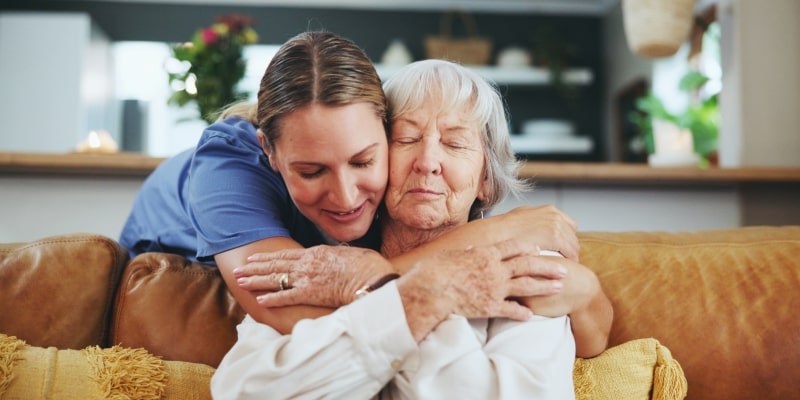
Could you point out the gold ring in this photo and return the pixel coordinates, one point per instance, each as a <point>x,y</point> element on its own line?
<point>284,281</point>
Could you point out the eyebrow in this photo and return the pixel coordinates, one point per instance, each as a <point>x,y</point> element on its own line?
<point>354,156</point>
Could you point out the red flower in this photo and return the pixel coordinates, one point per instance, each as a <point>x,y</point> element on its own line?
<point>236,22</point>
<point>210,36</point>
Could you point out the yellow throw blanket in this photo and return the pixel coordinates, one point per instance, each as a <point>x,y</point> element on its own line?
<point>30,372</point>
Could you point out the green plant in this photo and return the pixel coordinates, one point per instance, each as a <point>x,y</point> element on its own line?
<point>701,117</point>
<point>213,66</point>
<point>551,50</point>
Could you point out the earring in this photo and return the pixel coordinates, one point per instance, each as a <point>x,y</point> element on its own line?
<point>481,214</point>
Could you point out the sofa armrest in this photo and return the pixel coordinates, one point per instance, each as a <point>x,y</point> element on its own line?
<point>175,309</point>
<point>58,291</point>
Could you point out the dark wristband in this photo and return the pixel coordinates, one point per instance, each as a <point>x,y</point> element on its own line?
<point>376,285</point>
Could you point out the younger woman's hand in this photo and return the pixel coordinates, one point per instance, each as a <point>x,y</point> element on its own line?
<point>326,276</point>
<point>580,286</point>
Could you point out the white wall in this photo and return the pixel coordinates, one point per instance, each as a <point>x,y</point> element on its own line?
<point>55,80</point>
<point>35,207</point>
<point>760,102</point>
<point>636,208</point>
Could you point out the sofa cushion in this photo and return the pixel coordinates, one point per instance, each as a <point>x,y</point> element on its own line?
<point>31,372</point>
<point>175,309</point>
<point>640,369</point>
<point>58,291</point>
<point>722,301</point>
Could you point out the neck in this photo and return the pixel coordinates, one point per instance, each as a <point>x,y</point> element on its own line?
<point>398,238</point>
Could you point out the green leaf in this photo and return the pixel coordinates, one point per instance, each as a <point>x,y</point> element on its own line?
<point>693,80</point>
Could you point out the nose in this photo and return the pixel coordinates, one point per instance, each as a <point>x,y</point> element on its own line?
<point>428,159</point>
<point>343,190</point>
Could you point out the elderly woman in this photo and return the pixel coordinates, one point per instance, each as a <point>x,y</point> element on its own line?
<point>448,326</point>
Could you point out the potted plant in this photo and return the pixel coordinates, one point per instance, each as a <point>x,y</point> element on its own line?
<point>701,118</point>
<point>214,66</point>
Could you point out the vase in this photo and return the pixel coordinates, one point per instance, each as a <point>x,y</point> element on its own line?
<point>674,147</point>
<point>657,28</point>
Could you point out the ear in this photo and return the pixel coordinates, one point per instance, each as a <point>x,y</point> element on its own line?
<point>263,141</point>
<point>484,190</point>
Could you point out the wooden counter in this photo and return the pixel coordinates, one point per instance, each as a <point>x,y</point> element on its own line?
<point>78,164</point>
<point>138,165</point>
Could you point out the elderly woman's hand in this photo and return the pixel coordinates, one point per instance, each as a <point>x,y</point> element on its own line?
<point>326,276</point>
<point>543,226</point>
<point>480,282</point>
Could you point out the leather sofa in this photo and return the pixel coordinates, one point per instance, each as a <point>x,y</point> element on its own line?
<point>721,301</point>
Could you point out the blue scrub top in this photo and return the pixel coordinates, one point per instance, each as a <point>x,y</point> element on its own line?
<point>216,197</point>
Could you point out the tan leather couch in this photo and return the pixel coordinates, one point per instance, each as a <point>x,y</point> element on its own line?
<point>722,301</point>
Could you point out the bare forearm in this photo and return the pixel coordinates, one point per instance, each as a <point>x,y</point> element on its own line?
<point>281,319</point>
<point>591,326</point>
<point>479,232</point>
<point>545,227</point>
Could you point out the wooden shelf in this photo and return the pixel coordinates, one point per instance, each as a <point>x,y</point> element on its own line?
<point>511,76</point>
<point>139,165</point>
<point>644,174</point>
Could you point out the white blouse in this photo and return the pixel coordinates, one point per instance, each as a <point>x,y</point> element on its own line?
<point>365,350</point>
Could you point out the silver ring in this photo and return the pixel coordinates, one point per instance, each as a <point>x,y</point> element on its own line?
<point>283,282</point>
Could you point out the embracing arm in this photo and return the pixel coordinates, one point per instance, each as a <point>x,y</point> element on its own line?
<point>545,227</point>
<point>280,318</point>
<point>590,311</point>
<point>591,324</point>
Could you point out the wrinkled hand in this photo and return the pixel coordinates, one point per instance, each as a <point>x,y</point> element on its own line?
<point>580,286</point>
<point>479,282</point>
<point>326,276</point>
<point>545,226</point>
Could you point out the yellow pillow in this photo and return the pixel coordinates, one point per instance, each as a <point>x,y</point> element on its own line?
<point>639,369</point>
<point>28,372</point>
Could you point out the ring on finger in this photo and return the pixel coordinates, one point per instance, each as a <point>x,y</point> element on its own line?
<point>283,282</point>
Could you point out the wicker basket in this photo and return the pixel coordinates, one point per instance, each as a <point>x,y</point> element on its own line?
<point>469,50</point>
<point>657,28</point>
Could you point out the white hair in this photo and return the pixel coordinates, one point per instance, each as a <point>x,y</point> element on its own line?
<point>459,88</point>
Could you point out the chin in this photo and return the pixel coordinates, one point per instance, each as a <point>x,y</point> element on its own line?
<point>350,233</point>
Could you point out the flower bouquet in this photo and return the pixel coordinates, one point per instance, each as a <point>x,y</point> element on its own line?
<point>213,65</point>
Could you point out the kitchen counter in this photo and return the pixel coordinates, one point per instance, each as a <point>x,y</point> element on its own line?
<point>139,165</point>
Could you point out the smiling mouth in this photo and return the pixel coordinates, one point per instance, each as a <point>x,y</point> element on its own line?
<point>349,213</point>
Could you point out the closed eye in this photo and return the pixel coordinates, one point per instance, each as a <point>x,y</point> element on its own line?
<point>311,175</point>
<point>363,164</point>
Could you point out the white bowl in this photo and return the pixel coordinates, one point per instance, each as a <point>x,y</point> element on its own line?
<point>548,128</point>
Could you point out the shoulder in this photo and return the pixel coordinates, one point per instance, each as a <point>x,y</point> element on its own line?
<point>233,130</point>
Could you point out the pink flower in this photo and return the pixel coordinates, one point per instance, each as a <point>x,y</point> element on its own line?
<point>210,36</point>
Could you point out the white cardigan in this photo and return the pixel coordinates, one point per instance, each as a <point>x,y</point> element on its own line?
<point>365,350</point>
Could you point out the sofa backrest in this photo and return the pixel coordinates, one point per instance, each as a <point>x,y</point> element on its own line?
<point>58,291</point>
<point>724,302</point>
